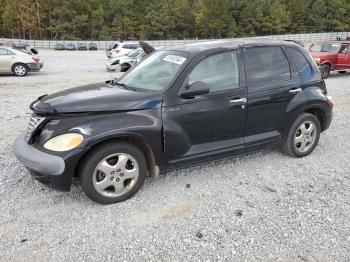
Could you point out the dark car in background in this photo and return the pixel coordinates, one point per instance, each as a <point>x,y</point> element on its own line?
<point>71,47</point>
<point>178,105</point>
<point>331,56</point>
<point>20,46</point>
<point>92,46</point>
<point>60,47</point>
<point>82,46</point>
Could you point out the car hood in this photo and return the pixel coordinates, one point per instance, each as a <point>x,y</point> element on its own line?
<point>100,97</point>
<point>322,54</point>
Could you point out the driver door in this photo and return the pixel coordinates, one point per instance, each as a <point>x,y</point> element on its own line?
<point>208,123</point>
<point>343,57</point>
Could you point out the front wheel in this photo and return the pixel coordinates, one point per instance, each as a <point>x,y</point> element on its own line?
<point>20,69</point>
<point>303,136</point>
<point>113,172</point>
<point>325,71</point>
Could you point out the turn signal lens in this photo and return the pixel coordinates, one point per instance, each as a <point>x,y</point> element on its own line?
<point>317,59</point>
<point>64,142</point>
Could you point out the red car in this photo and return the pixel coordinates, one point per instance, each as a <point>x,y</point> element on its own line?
<point>333,55</point>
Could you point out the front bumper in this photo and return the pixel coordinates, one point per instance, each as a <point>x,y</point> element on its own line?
<point>48,169</point>
<point>35,67</point>
<point>112,64</point>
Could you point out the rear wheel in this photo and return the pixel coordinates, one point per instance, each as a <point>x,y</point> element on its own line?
<point>341,72</point>
<point>20,69</point>
<point>303,136</point>
<point>325,70</point>
<point>113,172</point>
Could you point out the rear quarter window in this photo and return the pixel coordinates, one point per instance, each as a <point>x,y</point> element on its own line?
<point>301,64</point>
<point>265,65</point>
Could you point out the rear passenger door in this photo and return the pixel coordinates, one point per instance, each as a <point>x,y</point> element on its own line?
<point>271,86</point>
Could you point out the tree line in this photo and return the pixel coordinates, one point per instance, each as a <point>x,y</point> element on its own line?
<point>168,19</point>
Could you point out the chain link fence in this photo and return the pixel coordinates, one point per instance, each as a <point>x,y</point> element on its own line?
<point>306,38</point>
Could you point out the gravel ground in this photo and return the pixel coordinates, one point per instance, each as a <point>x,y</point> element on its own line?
<point>257,206</point>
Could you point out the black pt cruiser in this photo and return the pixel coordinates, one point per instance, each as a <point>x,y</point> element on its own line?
<point>178,105</point>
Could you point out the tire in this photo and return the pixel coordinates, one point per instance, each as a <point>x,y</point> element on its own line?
<point>124,67</point>
<point>342,72</point>
<point>20,69</point>
<point>299,131</point>
<point>127,170</point>
<point>325,71</point>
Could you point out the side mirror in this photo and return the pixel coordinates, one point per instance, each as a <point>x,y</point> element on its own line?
<point>195,89</point>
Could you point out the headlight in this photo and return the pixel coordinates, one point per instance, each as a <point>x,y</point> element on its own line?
<point>64,142</point>
<point>317,59</point>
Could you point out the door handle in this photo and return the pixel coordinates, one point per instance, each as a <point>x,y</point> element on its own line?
<point>238,100</point>
<point>295,90</point>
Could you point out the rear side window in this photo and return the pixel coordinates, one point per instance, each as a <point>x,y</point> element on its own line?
<point>303,67</point>
<point>266,64</point>
<point>219,71</point>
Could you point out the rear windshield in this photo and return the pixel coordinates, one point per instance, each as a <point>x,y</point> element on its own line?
<point>325,48</point>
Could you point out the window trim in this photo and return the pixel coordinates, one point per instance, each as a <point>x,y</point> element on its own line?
<point>245,57</point>
<point>193,66</point>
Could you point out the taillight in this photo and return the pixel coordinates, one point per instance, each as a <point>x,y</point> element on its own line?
<point>117,51</point>
<point>36,58</point>
<point>331,102</point>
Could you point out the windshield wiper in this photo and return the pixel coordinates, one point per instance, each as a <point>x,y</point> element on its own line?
<point>123,85</point>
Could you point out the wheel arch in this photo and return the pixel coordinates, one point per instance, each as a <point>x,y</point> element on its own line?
<point>314,109</point>
<point>135,140</point>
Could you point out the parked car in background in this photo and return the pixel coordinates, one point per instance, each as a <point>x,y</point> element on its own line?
<point>18,62</point>
<point>180,104</point>
<point>71,47</point>
<point>121,49</point>
<point>92,46</point>
<point>82,46</point>
<point>129,59</point>
<point>331,56</point>
<point>20,46</point>
<point>60,47</point>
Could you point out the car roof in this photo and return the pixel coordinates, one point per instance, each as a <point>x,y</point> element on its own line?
<point>200,47</point>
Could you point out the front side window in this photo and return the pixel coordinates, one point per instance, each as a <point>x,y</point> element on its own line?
<point>219,71</point>
<point>155,72</point>
<point>344,49</point>
<point>302,65</point>
<point>266,64</point>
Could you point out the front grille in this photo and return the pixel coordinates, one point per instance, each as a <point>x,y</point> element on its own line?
<point>34,123</point>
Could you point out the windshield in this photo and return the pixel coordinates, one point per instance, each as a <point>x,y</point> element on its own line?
<point>135,53</point>
<point>325,48</point>
<point>155,72</point>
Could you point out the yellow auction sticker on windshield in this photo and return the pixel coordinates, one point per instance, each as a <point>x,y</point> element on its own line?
<point>174,59</point>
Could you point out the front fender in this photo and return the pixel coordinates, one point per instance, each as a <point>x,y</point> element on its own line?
<point>145,125</point>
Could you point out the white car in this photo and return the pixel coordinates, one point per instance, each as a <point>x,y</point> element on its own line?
<point>121,49</point>
<point>114,63</point>
<point>18,62</point>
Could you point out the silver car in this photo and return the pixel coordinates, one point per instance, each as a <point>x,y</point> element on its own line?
<point>18,62</point>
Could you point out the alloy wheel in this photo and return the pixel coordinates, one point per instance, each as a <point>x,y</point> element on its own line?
<point>305,136</point>
<point>115,175</point>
